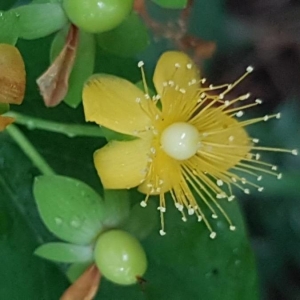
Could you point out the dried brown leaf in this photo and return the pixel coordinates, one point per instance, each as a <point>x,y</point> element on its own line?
<point>54,83</point>
<point>85,287</point>
<point>12,75</point>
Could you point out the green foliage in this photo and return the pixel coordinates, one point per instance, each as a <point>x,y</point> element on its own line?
<point>175,4</point>
<point>63,252</point>
<point>70,209</point>
<point>128,39</point>
<point>83,65</point>
<point>9,32</point>
<point>39,20</point>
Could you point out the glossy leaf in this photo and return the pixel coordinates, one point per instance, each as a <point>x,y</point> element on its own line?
<point>39,20</point>
<point>175,4</point>
<point>83,66</point>
<point>65,253</point>
<point>70,209</point>
<point>128,39</point>
<point>9,24</point>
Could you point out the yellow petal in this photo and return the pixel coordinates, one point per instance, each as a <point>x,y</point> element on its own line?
<point>113,102</point>
<point>12,75</point>
<point>164,174</point>
<point>122,165</point>
<point>231,140</point>
<point>177,67</point>
<point>5,121</point>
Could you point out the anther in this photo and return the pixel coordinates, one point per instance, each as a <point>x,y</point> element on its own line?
<point>260,189</point>
<point>231,198</point>
<point>255,141</point>
<point>182,91</point>
<point>232,228</point>
<point>162,232</point>
<point>247,191</point>
<point>279,176</point>
<point>183,219</point>
<point>140,64</point>
<point>278,115</point>
<point>199,218</point>
<point>177,65</point>
<point>259,178</point>
<point>295,152</point>
<point>213,235</point>
<point>138,100</point>
<point>143,203</point>
<point>231,138</point>
<point>214,216</point>
<point>258,101</point>
<point>239,114</point>
<point>191,211</point>
<point>219,182</point>
<point>249,69</point>
<point>189,66</point>
<point>227,102</point>
<point>161,208</point>
<point>266,118</point>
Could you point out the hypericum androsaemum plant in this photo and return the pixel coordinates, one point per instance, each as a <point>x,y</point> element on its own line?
<point>188,139</point>
<point>94,230</point>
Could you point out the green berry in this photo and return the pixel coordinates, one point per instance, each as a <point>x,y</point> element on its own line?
<point>120,257</point>
<point>97,15</point>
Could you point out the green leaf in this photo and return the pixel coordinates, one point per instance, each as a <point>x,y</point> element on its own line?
<point>128,39</point>
<point>4,107</point>
<point>83,65</point>
<point>175,4</point>
<point>39,20</point>
<point>117,207</point>
<point>9,32</point>
<point>142,220</point>
<point>65,253</point>
<point>76,270</point>
<point>70,209</point>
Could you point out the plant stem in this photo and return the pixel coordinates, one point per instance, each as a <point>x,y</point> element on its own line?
<point>29,150</point>
<point>71,130</point>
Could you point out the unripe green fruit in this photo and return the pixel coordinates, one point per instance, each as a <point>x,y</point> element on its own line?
<point>120,257</point>
<point>97,16</point>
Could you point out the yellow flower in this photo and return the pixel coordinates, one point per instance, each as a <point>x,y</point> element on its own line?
<point>189,140</point>
<point>12,80</point>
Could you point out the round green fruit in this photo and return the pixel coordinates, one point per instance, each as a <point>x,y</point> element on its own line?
<point>97,16</point>
<point>120,257</point>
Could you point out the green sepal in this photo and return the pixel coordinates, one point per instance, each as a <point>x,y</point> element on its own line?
<point>117,207</point>
<point>70,209</point>
<point>65,253</point>
<point>128,39</point>
<point>83,65</point>
<point>111,135</point>
<point>9,31</point>
<point>174,4</point>
<point>76,270</point>
<point>4,107</point>
<point>39,20</point>
<point>142,220</point>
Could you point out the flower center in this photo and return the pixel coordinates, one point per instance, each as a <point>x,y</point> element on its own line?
<point>180,140</point>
